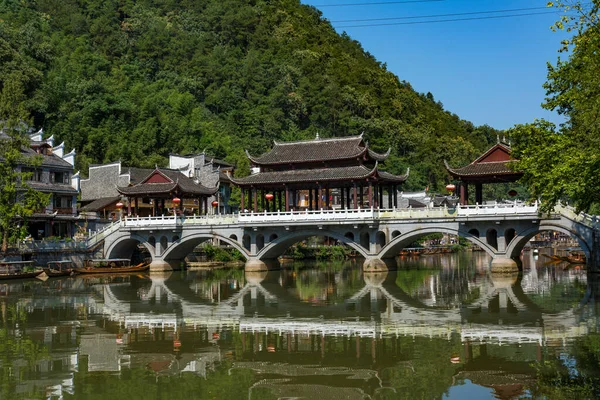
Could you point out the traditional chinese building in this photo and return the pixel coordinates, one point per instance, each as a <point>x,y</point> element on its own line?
<point>166,190</point>
<point>494,166</point>
<point>319,174</point>
<point>54,176</point>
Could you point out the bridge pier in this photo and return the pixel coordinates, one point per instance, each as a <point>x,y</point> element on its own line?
<point>256,265</point>
<point>376,265</point>
<point>159,265</point>
<point>504,265</point>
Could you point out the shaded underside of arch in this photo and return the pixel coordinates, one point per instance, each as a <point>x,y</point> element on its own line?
<point>124,247</point>
<point>281,244</point>
<point>397,244</point>
<point>181,248</point>
<point>516,245</point>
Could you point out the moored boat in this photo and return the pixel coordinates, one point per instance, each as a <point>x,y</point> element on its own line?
<point>110,266</point>
<point>59,268</point>
<point>18,270</point>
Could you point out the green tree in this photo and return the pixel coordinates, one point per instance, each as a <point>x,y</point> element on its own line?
<point>563,163</point>
<point>17,199</point>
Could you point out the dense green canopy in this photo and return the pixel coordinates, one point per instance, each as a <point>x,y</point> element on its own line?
<point>563,163</point>
<point>137,80</point>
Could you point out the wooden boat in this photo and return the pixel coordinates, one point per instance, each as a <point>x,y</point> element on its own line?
<point>111,266</point>
<point>59,268</point>
<point>17,270</point>
<point>572,258</point>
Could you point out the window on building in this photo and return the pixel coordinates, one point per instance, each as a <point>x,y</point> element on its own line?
<point>69,202</point>
<point>57,202</point>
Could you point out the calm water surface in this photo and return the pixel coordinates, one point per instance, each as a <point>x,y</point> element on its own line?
<point>443,329</point>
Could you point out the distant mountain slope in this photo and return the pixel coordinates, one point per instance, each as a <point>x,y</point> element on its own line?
<point>137,80</point>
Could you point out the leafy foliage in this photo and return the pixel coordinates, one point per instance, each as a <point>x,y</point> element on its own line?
<point>137,80</point>
<point>562,163</point>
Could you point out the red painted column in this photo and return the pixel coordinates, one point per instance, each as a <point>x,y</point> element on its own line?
<point>370,194</point>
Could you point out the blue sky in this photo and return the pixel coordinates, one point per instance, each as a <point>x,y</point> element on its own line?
<point>487,71</point>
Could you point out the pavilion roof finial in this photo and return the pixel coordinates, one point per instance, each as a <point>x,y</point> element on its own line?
<point>497,138</point>
<point>317,136</point>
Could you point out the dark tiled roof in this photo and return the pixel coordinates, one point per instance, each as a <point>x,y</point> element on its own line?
<point>223,177</point>
<point>387,177</point>
<point>484,169</point>
<point>312,150</point>
<point>136,175</point>
<point>306,175</point>
<point>99,204</point>
<point>62,188</point>
<point>179,183</point>
<point>48,160</point>
<point>379,157</point>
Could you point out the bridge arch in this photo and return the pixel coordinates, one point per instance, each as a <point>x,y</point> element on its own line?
<point>278,246</point>
<point>521,238</point>
<point>182,247</point>
<point>399,242</point>
<point>124,246</point>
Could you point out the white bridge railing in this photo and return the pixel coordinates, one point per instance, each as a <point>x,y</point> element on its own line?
<point>315,216</point>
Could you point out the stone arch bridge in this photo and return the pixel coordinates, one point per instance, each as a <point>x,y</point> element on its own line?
<point>501,230</point>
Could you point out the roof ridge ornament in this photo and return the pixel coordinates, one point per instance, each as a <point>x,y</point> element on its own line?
<point>317,136</point>
<point>497,138</point>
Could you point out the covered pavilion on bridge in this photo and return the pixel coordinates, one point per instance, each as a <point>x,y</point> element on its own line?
<point>319,174</point>
<point>165,189</point>
<point>495,166</point>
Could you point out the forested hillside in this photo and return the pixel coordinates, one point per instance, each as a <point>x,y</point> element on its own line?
<point>137,80</point>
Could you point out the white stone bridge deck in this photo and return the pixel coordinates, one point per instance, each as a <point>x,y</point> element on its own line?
<point>378,235</point>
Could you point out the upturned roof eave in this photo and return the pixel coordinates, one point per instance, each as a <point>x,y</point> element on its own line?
<point>257,160</point>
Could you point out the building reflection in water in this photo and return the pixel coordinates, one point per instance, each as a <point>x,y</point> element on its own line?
<point>301,331</point>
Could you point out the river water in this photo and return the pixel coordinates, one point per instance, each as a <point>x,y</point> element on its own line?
<point>443,328</point>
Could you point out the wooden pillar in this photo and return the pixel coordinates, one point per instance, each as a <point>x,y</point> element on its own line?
<point>280,196</point>
<point>255,199</point>
<point>205,201</point>
<point>380,204</point>
<point>162,206</point>
<point>137,207</point>
<point>361,197</point>
<point>262,200</point>
<point>310,199</point>
<point>464,193</point>
<point>370,194</point>
<point>287,199</point>
<point>327,202</point>
<point>395,196</point>
<point>390,196</point>
<point>479,193</point>
<point>129,206</point>
<point>355,196</point>
<point>319,199</point>
<point>243,200</point>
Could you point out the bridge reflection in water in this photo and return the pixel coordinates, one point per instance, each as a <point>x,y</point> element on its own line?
<point>303,329</point>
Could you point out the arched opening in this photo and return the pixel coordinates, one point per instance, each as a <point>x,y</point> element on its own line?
<point>320,244</point>
<point>349,235</point>
<point>273,237</point>
<point>491,237</point>
<point>132,249</point>
<point>408,239</point>
<point>365,240</point>
<point>203,247</point>
<point>553,241</point>
<point>509,235</point>
<point>246,242</point>
<point>395,234</point>
<point>164,242</point>
<point>260,242</point>
<point>380,240</point>
<point>233,237</point>
<point>474,232</point>
<point>152,241</point>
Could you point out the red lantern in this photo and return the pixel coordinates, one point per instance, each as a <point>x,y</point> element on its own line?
<point>215,203</point>
<point>119,205</point>
<point>450,187</point>
<point>512,193</point>
<point>176,201</point>
<point>269,196</point>
<point>176,343</point>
